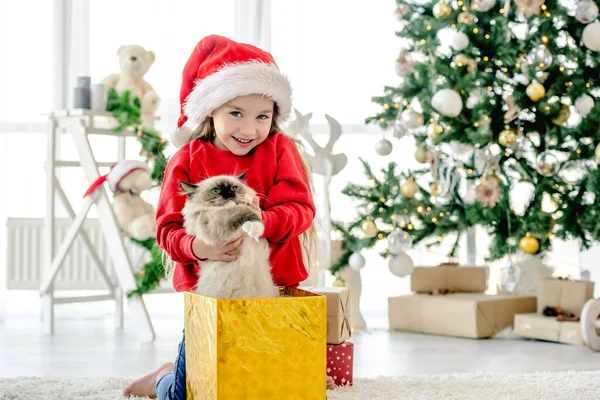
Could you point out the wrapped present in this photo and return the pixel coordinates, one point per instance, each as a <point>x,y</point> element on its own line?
<point>339,328</point>
<point>568,295</point>
<point>471,315</point>
<point>256,348</point>
<point>340,363</point>
<point>538,326</point>
<point>449,278</point>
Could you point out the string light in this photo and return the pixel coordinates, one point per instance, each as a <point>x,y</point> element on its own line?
<point>396,105</point>
<point>475,30</point>
<point>420,209</point>
<point>382,199</point>
<point>434,220</point>
<point>381,119</point>
<point>393,217</point>
<point>441,214</point>
<point>380,236</point>
<point>487,36</point>
<point>386,106</point>
<point>469,171</point>
<point>428,208</point>
<point>410,226</point>
<point>502,11</point>
<point>486,58</point>
<point>428,27</point>
<point>440,239</point>
<point>544,39</point>
<point>423,41</point>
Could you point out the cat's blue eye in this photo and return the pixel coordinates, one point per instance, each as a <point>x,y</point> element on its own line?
<point>216,190</point>
<point>236,113</point>
<point>263,117</point>
<point>233,188</point>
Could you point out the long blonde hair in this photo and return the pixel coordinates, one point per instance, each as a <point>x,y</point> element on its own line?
<point>308,240</point>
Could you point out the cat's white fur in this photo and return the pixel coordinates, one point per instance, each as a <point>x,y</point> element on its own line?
<point>250,275</point>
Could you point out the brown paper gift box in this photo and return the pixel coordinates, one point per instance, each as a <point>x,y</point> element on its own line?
<point>454,279</point>
<point>471,315</point>
<point>338,312</point>
<point>538,326</point>
<point>569,295</point>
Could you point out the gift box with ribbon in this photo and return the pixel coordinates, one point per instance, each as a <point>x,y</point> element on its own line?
<point>449,278</point>
<point>338,312</point>
<point>340,363</point>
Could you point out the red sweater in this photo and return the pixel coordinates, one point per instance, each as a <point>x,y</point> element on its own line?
<point>274,170</point>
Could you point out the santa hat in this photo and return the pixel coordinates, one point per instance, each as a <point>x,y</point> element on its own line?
<point>116,174</point>
<point>220,70</point>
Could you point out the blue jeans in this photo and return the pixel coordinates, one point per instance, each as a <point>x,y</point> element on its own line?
<point>172,385</point>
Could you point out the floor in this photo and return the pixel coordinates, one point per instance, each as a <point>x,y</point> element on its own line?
<point>86,344</point>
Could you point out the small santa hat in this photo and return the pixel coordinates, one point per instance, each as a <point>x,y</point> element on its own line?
<point>116,174</point>
<point>220,70</point>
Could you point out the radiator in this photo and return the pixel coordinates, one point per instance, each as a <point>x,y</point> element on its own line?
<point>25,250</point>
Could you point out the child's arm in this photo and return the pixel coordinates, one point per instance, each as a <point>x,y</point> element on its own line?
<point>289,209</point>
<point>170,233</point>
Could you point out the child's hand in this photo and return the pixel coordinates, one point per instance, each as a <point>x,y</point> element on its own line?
<point>219,252</point>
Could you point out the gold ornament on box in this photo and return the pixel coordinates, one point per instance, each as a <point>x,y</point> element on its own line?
<point>369,228</point>
<point>442,10</point>
<point>434,130</point>
<point>529,245</point>
<point>507,138</point>
<point>466,18</point>
<point>536,91</point>
<point>565,114</point>
<point>409,188</point>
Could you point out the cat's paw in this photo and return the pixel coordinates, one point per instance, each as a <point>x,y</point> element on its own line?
<point>254,229</point>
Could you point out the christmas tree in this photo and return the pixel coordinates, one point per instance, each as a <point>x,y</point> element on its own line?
<point>500,97</point>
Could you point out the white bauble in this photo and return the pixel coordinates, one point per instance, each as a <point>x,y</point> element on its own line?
<point>399,130</point>
<point>412,119</point>
<point>584,104</point>
<point>591,36</point>
<point>383,147</point>
<point>401,265</point>
<point>399,241</point>
<point>447,102</point>
<point>356,261</point>
<point>483,5</point>
<point>587,11</point>
<point>460,41</point>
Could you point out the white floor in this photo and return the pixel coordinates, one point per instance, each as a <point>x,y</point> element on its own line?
<point>86,344</point>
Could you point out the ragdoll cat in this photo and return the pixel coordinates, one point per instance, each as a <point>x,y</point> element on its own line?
<point>215,211</point>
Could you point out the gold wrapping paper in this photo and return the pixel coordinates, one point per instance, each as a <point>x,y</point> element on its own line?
<point>538,326</point>
<point>255,349</point>
<point>470,315</point>
<point>569,295</point>
<point>453,279</point>
<point>339,319</point>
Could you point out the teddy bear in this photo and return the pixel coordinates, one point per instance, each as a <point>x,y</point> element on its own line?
<point>127,179</point>
<point>134,62</point>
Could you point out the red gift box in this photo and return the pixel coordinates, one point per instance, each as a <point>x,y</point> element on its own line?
<point>340,362</point>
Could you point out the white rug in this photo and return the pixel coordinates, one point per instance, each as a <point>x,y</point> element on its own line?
<point>481,386</point>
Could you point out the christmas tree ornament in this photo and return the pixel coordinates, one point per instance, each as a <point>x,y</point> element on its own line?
<point>404,64</point>
<point>460,41</point>
<point>463,61</point>
<point>447,102</point>
<point>591,36</point>
<point>399,130</point>
<point>475,98</point>
<point>402,10</point>
<point>563,116</point>
<point>399,241</point>
<point>529,245</point>
<point>409,188</point>
<point>442,10</point>
<point>573,172</point>
<point>507,137</point>
<point>434,130</point>
<point>339,282</point>
<point>529,8</point>
<point>540,57</point>
<point>488,192</point>
<point>383,147</point>
<point>535,91</point>
<point>547,164</point>
<point>509,278</point>
<point>466,18</point>
<point>513,110</point>
<point>356,261</point>
<point>401,265</point>
<point>482,5</point>
<point>412,119</point>
<point>436,188</point>
<point>597,152</point>
<point>421,154</point>
<point>584,104</point>
<point>369,228</point>
<point>587,11</point>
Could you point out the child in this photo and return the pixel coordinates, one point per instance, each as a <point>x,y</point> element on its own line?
<point>237,95</point>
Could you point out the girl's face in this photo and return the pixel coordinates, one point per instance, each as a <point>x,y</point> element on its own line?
<point>243,123</point>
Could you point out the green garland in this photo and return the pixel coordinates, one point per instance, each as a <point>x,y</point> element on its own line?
<point>126,110</point>
<point>496,61</point>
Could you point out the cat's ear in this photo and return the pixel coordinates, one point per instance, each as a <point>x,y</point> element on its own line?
<point>187,188</point>
<point>242,176</point>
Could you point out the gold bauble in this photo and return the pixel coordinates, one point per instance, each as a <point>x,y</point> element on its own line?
<point>339,282</point>
<point>466,17</point>
<point>507,138</point>
<point>421,154</point>
<point>436,188</point>
<point>565,114</point>
<point>597,152</point>
<point>369,228</point>
<point>409,189</point>
<point>442,10</point>
<point>529,245</point>
<point>536,91</point>
<point>434,130</point>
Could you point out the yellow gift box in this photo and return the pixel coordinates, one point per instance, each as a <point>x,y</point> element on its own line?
<point>271,348</point>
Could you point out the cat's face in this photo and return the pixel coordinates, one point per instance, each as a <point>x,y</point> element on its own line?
<point>218,191</point>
